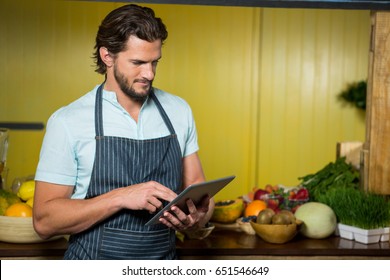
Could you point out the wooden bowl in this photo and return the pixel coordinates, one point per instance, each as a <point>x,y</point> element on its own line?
<point>201,233</point>
<point>278,234</point>
<point>19,230</point>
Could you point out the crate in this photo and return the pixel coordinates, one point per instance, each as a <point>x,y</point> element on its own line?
<point>351,151</point>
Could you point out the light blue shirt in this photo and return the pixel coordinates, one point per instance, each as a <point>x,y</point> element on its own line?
<point>68,149</point>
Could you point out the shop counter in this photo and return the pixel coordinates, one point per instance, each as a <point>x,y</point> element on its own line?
<point>225,244</point>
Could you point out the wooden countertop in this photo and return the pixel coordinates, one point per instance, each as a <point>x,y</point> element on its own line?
<point>237,245</point>
<point>46,250</point>
<point>225,244</point>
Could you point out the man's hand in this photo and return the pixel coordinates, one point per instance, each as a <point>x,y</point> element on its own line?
<point>146,196</point>
<point>180,221</point>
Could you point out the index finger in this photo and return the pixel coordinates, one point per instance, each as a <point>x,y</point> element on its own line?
<point>163,192</point>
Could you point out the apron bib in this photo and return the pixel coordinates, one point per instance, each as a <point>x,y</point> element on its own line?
<point>122,162</point>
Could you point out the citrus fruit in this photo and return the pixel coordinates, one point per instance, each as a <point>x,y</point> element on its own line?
<point>30,202</point>
<point>19,209</point>
<point>26,190</point>
<point>253,208</point>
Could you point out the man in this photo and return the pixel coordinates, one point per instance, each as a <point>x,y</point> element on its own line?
<point>111,159</point>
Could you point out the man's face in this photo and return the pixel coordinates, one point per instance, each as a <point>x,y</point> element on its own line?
<point>135,68</point>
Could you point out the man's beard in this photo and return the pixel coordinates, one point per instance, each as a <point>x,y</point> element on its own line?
<point>129,91</point>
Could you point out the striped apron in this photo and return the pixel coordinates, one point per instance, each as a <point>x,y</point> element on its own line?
<point>123,162</point>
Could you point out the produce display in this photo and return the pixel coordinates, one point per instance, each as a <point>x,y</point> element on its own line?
<point>16,223</point>
<point>19,204</point>
<point>278,197</point>
<point>314,208</point>
<point>338,186</point>
<point>267,212</point>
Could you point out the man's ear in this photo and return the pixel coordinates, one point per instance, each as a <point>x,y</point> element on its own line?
<point>106,56</point>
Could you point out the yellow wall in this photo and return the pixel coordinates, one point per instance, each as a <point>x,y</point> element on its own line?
<point>262,82</point>
<point>307,58</point>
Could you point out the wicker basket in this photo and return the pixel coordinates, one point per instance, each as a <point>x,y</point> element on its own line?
<point>19,230</point>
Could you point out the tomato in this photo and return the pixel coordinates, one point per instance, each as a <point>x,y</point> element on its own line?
<point>302,194</point>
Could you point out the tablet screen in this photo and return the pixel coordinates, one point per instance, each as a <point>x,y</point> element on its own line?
<point>195,192</point>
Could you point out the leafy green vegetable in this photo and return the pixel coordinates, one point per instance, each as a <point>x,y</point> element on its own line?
<point>334,175</point>
<point>337,185</point>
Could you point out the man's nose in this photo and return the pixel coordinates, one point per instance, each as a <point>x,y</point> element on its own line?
<point>148,71</point>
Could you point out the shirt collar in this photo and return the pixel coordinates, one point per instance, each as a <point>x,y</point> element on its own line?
<point>110,96</point>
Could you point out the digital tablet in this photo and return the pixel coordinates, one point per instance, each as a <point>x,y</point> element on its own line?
<point>195,192</point>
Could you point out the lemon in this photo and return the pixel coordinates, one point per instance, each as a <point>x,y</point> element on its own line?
<point>30,202</point>
<point>27,190</point>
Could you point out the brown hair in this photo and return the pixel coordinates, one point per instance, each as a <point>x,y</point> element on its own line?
<point>120,24</point>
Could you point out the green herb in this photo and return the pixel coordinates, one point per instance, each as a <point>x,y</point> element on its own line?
<point>334,175</point>
<point>356,94</point>
<point>356,208</point>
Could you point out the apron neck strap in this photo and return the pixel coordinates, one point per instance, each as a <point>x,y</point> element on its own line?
<point>162,113</point>
<point>99,111</point>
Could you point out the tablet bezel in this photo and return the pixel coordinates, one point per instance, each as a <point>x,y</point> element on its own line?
<point>195,192</point>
